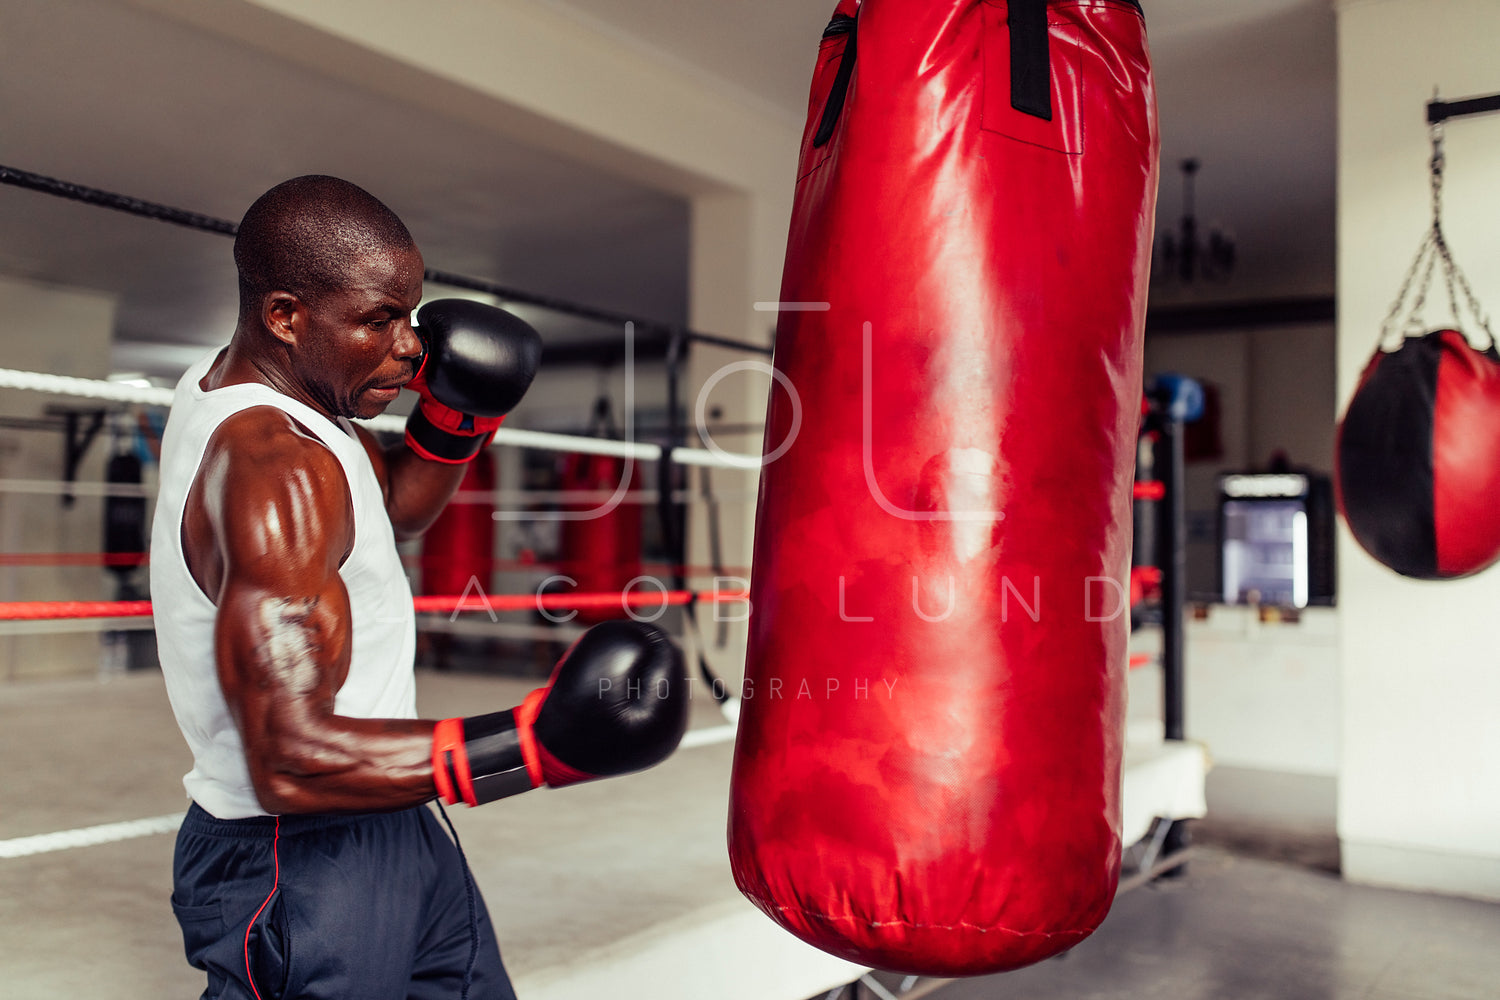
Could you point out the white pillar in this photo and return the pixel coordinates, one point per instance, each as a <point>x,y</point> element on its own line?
<point>1419,797</point>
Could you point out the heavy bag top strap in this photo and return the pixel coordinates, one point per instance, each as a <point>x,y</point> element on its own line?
<point>1030,58</point>
<point>842,24</point>
<point>1030,64</point>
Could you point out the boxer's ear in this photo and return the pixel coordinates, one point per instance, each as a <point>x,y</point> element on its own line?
<point>284,316</point>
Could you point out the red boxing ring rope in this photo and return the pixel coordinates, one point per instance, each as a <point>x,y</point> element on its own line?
<point>74,558</point>
<point>463,603</point>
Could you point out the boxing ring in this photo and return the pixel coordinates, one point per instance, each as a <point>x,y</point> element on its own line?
<point>613,888</point>
<point>619,887</point>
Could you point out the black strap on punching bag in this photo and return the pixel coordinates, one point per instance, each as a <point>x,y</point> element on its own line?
<point>842,24</point>
<point>1030,58</point>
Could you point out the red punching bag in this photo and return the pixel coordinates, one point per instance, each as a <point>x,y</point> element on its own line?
<point>1418,464</point>
<point>458,550</point>
<point>927,772</point>
<point>601,540</point>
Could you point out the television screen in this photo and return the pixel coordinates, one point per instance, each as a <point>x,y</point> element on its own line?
<point>1265,552</point>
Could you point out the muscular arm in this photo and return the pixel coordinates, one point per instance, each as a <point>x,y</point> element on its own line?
<point>416,490</point>
<point>275,514</point>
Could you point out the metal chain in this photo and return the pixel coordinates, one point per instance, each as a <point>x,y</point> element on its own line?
<point>1404,320</point>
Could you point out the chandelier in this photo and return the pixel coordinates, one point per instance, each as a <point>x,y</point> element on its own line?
<point>1185,255</point>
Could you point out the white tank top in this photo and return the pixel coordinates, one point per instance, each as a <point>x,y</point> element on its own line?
<point>383,631</point>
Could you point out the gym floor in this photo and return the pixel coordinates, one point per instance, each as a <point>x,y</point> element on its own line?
<point>1235,927</point>
<point>1240,928</point>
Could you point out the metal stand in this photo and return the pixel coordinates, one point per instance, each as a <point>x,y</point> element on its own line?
<point>1173,532</point>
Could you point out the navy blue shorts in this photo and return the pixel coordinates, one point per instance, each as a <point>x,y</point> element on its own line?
<point>372,906</point>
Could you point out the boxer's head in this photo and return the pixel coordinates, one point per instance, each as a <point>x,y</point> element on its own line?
<point>332,276</point>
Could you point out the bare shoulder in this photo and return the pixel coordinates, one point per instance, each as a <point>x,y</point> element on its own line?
<point>263,448</point>
<point>271,490</point>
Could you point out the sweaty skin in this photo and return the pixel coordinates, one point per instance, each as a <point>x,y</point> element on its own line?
<point>269,520</point>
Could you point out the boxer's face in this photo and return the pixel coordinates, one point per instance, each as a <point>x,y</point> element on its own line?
<point>357,347</point>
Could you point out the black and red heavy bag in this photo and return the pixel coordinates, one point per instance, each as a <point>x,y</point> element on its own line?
<point>927,772</point>
<point>1418,464</point>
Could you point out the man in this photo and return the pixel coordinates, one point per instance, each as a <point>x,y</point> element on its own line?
<point>308,865</point>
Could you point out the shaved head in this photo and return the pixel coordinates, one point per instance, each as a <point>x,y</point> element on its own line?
<point>305,235</point>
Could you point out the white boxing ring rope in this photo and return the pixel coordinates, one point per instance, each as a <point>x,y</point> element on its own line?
<point>116,392</point>
<point>83,388</point>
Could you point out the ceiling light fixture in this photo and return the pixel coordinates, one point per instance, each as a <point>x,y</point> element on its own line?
<point>1185,256</point>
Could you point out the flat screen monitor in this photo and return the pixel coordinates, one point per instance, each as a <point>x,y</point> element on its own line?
<point>1271,539</point>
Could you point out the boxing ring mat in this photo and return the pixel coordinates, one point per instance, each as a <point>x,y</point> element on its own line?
<point>618,888</point>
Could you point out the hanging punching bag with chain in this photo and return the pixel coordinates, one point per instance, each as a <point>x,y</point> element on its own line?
<point>1417,464</point>
<point>927,772</point>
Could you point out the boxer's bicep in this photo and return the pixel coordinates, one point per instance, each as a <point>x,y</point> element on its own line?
<point>282,523</point>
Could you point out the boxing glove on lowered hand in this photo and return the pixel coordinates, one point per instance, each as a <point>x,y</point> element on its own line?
<point>478,362</point>
<point>617,702</point>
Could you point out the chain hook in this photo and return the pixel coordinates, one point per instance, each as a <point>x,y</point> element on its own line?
<point>1405,319</point>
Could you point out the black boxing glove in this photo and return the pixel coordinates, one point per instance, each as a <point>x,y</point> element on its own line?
<point>478,362</point>
<point>617,702</point>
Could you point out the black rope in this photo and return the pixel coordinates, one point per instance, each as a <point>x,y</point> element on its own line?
<point>117,202</point>
<point>206,223</point>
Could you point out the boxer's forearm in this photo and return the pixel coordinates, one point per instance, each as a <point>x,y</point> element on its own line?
<point>339,764</point>
<point>417,489</point>
<point>283,641</point>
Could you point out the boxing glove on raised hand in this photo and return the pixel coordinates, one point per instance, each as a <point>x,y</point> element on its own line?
<point>617,702</point>
<point>478,362</point>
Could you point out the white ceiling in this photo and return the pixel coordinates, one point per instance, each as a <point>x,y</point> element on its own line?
<point>1248,87</point>
<point>109,95</point>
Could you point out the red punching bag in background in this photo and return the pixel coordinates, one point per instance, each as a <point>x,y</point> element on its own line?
<point>927,772</point>
<point>458,550</point>
<point>601,542</point>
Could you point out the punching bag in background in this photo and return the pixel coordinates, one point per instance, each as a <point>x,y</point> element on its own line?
<point>124,517</point>
<point>1418,463</point>
<point>458,550</point>
<point>602,552</point>
<point>927,772</point>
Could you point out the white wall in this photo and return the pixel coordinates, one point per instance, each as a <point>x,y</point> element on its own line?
<point>1420,786</point>
<point>65,332</point>
<point>1259,695</point>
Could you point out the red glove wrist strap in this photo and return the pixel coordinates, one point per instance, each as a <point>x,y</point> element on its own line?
<point>526,714</point>
<point>450,763</point>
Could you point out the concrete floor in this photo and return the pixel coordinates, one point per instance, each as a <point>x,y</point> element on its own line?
<point>1239,928</point>
<point>1236,927</point>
